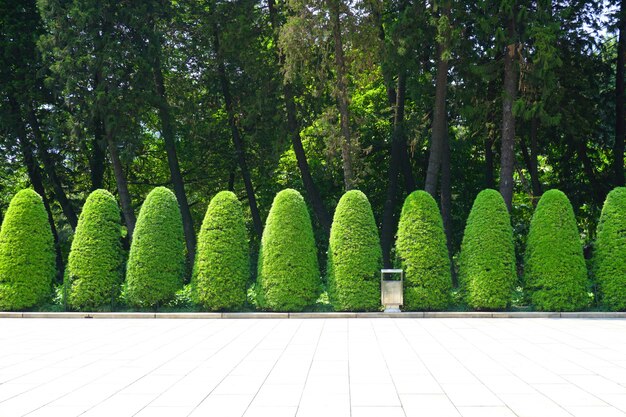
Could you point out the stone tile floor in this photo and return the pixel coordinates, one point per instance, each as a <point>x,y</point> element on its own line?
<point>313,367</point>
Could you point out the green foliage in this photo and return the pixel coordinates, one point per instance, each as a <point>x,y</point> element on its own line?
<point>354,255</point>
<point>96,262</point>
<point>487,263</point>
<point>555,270</point>
<point>609,255</point>
<point>421,251</point>
<point>288,271</point>
<point>156,262</point>
<point>222,265</point>
<point>27,256</point>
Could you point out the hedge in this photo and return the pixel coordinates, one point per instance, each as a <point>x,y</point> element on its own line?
<point>96,262</point>
<point>354,255</point>
<point>422,252</point>
<point>487,262</point>
<point>222,266</point>
<point>288,272</point>
<point>156,262</point>
<point>27,255</point>
<point>555,270</point>
<point>609,254</point>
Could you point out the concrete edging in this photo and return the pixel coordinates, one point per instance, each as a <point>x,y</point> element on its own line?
<point>317,315</point>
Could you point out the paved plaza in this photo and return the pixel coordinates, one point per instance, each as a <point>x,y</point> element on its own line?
<point>379,367</point>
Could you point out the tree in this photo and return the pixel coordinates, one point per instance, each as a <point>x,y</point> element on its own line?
<point>354,255</point>
<point>288,272</point>
<point>222,267</point>
<point>156,262</point>
<point>620,97</point>
<point>96,262</point>
<point>609,252</point>
<point>554,267</point>
<point>27,259</point>
<point>487,261</point>
<point>84,41</point>
<point>422,253</point>
<point>312,191</point>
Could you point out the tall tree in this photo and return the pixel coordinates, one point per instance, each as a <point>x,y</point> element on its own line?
<point>85,41</point>
<point>312,191</point>
<point>335,8</point>
<point>236,136</point>
<point>507,146</point>
<point>148,23</point>
<point>620,97</point>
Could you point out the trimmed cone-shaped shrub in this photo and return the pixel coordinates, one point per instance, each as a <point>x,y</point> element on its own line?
<point>609,255</point>
<point>95,265</point>
<point>27,256</point>
<point>156,262</point>
<point>354,255</point>
<point>422,252</point>
<point>555,270</point>
<point>288,272</point>
<point>487,263</point>
<point>222,265</point>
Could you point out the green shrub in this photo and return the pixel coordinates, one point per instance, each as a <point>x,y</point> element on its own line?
<point>609,255</point>
<point>27,255</point>
<point>222,265</point>
<point>422,252</point>
<point>555,270</point>
<point>354,255</point>
<point>156,262</point>
<point>95,264</point>
<point>288,271</point>
<point>487,262</point>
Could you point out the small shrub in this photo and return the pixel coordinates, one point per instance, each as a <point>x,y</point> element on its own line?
<point>156,262</point>
<point>222,265</point>
<point>422,252</point>
<point>95,264</point>
<point>288,271</point>
<point>555,270</point>
<point>27,255</point>
<point>487,262</point>
<point>354,255</point>
<point>609,255</point>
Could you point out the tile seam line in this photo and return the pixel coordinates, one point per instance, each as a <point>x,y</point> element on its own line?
<point>273,366</point>
<point>425,365</point>
<point>206,359</point>
<point>489,356</point>
<point>87,383</point>
<point>539,346</point>
<point>138,379</point>
<point>311,366</point>
<point>53,379</point>
<point>387,366</point>
<point>229,372</point>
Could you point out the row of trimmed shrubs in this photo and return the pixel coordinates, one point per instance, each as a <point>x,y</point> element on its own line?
<point>288,272</point>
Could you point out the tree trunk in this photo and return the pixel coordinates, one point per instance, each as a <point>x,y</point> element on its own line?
<point>312,192</point>
<point>620,115</point>
<point>167,130</point>
<point>530,159</point>
<point>96,162</point>
<point>507,153</point>
<point>239,146</point>
<point>35,177</point>
<point>439,126</point>
<point>490,181</point>
<point>389,220</point>
<point>122,185</point>
<point>50,170</point>
<point>446,200</point>
<point>341,92</point>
